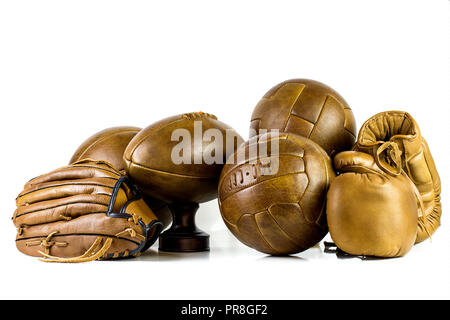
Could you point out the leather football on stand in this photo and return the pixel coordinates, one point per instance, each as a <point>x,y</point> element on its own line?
<point>109,145</point>
<point>310,109</point>
<point>169,159</point>
<point>279,211</point>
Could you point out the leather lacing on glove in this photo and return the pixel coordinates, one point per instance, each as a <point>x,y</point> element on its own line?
<point>46,243</point>
<point>91,254</point>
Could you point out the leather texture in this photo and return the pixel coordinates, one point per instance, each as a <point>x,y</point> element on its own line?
<point>393,138</point>
<point>310,109</point>
<point>149,160</point>
<point>371,212</point>
<point>82,212</point>
<point>109,145</point>
<point>279,213</point>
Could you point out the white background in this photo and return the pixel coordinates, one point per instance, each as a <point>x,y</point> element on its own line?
<point>71,68</point>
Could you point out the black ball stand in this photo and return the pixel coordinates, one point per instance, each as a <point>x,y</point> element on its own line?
<point>183,235</point>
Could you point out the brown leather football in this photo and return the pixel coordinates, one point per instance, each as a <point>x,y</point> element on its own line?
<point>310,109</point>
<point>283,212</point>
<point>149,158</point>
<point>109,145</point>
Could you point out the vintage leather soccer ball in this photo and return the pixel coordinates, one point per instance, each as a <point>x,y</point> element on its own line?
<point>282,212</point>
<point>150,163</point>
<point>310,109</point>
<point>109,145</point>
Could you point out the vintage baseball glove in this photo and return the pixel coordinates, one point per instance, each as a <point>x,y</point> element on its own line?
<point>83,212</point>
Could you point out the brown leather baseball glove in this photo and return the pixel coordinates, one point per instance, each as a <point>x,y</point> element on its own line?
<point>83,212</point>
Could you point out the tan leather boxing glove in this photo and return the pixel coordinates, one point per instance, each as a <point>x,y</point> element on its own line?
<point>371,212</point>
<point>393,138</point>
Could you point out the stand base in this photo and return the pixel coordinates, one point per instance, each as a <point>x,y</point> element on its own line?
<point>174,242</point>
<point>183,235</point>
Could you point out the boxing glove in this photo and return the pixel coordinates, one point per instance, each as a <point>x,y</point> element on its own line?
<point>371,212</point>
<point>393,138</point>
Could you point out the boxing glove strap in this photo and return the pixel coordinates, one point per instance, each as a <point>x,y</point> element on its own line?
<point>393,156</point>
